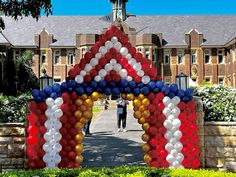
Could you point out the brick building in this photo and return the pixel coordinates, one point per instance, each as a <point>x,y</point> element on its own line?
<point>203,47</point>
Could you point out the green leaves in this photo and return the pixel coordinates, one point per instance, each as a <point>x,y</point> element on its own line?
<point>219,102</point>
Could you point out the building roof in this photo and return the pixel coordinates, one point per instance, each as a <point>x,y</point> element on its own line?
<point>3,40</point>
<point>216,29</point>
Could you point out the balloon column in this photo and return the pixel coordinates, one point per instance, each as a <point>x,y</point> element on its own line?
<point>112,66</point>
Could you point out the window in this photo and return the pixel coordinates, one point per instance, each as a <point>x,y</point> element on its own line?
<point>154,56</point>
<point>16,53</point>
<point>220,57</point>
<point>167,81</point>
<point>194,79</point>
<point>207,56</point>
<point>193,57</point>
<point>57,55</point>
<point>139,50</point>
<point>221,80</point>
<point>83,51</point>
<point>147,53</point>
<point>167,57</point>
<point>43,57</point>
<point>207,79</point>
<point>57,80</point>
<point>180,56</point>
<point>70,57</point>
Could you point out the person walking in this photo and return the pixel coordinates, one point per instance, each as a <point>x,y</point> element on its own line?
<point>121,113</point>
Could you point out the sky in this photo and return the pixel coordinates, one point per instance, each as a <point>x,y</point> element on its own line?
<point>145,7</point>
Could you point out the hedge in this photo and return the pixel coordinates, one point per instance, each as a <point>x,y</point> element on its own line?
<point>123,171</point>
<point>219,102</point>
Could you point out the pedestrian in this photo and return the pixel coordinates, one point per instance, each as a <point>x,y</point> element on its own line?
<point>121,113</point>
<point>86,129</point>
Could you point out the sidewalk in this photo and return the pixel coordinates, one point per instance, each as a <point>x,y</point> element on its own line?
<point>109,148</point>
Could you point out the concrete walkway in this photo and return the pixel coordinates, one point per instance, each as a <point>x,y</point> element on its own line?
<point>109,148</point>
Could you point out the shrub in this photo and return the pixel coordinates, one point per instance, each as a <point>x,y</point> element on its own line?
<point>13,109</point>
<point>123,171</point>
<point>219,102</point>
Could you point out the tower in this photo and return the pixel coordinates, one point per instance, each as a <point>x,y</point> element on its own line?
<point>119,9</point>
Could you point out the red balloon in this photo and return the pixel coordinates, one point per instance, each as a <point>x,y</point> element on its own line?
<point>113,28</point>
<point>63,131</point>
<point>157,112</point>
<point>31,165</point>
<point>63,142</point>
<point>102,62</point>
<point>31,140</point>
<point>196,163</point>
<point>116,78</point>
<point>30,151</point>
<point>182,117</point>
<point>160,96</point>
<point>73,132</point>
<point>43,129</point>
<point>42,119</point>
<point>67,126</point>
<point>98,67</point>
<point>123,61</point>
<point>67,148</point>
<point>165,164</point>
<point>65,97</point>
<point>62,153</point>
<point>73,96</point>
<point>65,160</point>
<point>108,56</point>
<point>160,106</point>
<point>42,106</point>
<point>186,163</point>
<point>118,56</point>
<point>72,73</point>
<point>124,39</point>
<point>73,108</point>
<point>184,140</point>
<point>158,136</point>
<point>71,165</point>
<point>181,106</point>
<point>98,44</point>
<point>138,56</point>
<point>153,142</point>
<point>112,51</point>
<point>73,143</point>
<point>132,72</point>
<point>128,46</point>
<point>109,33</point>
<point>113,72</point>
<point>163,154</point>
<point>153,72</point>
<point>102,38</point>
<point>68,137</point>
<point>93,73</point>
<point>108,78</point>
<point>154,164</point>
<point>162,141</point>
<point>153,130</point>
<point>32,118</point>
<point>61,165</point>
<point>32,130</point>
<point>152,119</point>
<point>94,49</point>
<point>126,66</point>
<point>72,120</point>
<point>154,154</point>
<point>151,96</point>
<point>88,56</point>
<point>32,105</point>
<point>137,79</point>
<point>72,155</point>
<point>87,78</point>
<point>132,51</point>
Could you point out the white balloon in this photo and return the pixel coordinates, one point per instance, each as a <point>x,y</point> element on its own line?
<point>57,147</point>
<point>145,79</point>
<point>176,123</point>
<point>175,111</point>
<point>132,61</point>
<point>47,147</point>
<point>176,100</point>
<point>114,39</point>
<point>97,78</point>
<point>49,113</point>
<point>88,67</point>
<point>52,142</point>
<point>140,73</point>
<point>57,158</point>
<point>171,117</point>
<point>58,113</point>
<point>137,66</point>
<point>168,135</point>
<point>46,158</point>
<point>166,112</point>
<point>47,136</point>
<point>51,165</point>
<point>180,157</point>
<point>170,158</point>
<point>128,56</point>
<point>108,67</point>
<point>167,124</point>
<point>50,102</point>
<point>171,105</point>
<point>123,73</point>
<point>124,51</point>
<point>103,50</point>
<point>57,125</point>
<point>59,101</point>
<point>113,61</point>
<point>176,164</point>
<point>102,73</point>
<point>79,79</point>
<point>169,147</point>
<point>178,146</point>
<point>82,73</point>
<point>57,136</point>
<point>129,78</point>
<point>48,124</point>
<point>173,141</point>
<point>117,67</point>
<point>178,134</point>
<point>173,129</point>
<point>174,152</point>
<point>117,46</point>
<point>166,100</point>
<point>98,55</point>
<point>108,44</point>
<point>94,62</point>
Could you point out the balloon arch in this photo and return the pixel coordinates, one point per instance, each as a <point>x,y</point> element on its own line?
<point>112,66</point>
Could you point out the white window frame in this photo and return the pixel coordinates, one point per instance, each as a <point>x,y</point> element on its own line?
<point>147,54</point>
<point>193,53</point>
<point>139,49</point>
<point>70,57</point>
<point>182,58</point>
<point>222,54</point>
<point>207,53</point>
<point>167,53</point>
<point>57,53</point>
<point>83,51</point>
<point>43,53</point>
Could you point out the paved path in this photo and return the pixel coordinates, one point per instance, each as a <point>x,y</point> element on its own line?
<point>109,148</point>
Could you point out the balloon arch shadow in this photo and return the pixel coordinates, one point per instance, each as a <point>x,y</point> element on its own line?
<point>59,112</point>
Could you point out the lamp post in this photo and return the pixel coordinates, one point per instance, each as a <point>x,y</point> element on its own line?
<point>45,80</point>
<point>182,81</point>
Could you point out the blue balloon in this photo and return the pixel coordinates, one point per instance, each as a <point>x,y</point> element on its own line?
<point>111,84</point>
<point>121,89</point>
<point>35,93</point>
<point>185,98</point>
<point>132,84</point>
<point>64,86</point>
<point>189,92</point>
<point>124,83</point>
<point>165,89</point>
<point>180,93</point>
<point>145,90</point>
<point>156,90</point>
<point>59,94</point>
<point>127,90</point>
<point>136,91</point>
<point>43,95</point>
<point>115,91</point>
<point>84,85</point>
<point>48,90</point>
<point>72,83</point>
<point>89,90</point>
<point>107,91</point>
<point>79,90</point>
<point>70,90</point>
<point>102,83</point>
<point>173,87</point>
<point>38,99</point>
<point>140,85</point>
<point>171,94</point>
<point>53,95</point>
<point>159,84</point>
<point>93,84</point>
<point>99,90</point>
<point>151,85</point>
<point>56,87</point>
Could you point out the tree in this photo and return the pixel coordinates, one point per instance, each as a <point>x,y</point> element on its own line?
<point>20,8</point>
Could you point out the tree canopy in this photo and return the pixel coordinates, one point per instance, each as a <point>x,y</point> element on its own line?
<point>21,8</point>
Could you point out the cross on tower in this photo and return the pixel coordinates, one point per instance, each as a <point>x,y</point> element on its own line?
<point>119,9</point>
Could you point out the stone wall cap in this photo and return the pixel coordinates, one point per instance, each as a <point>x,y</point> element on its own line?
<point>208,123</point>
<point>12,124</point>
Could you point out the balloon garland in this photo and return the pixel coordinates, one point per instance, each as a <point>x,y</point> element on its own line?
<point>112,66</point>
